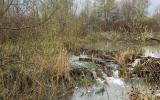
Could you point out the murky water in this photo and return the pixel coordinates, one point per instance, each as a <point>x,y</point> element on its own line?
<point>112,91</point>
<point>152,51</point>
<point>115,88</point>
<point>115,45</point>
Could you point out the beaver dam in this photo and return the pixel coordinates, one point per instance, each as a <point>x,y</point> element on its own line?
<point>100,76</point>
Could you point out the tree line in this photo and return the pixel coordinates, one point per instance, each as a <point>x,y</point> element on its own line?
<point>71,17</point>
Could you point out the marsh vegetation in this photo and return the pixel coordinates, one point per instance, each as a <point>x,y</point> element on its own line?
<point>79,50</point>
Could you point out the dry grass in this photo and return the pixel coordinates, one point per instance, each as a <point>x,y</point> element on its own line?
<point>125,57</point>
<point>36,66</point>
<point>62,65</point>
<point>33,70</point>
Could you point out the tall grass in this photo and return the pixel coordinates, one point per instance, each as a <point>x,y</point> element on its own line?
<point>34,68</point>
<point>124,57</point>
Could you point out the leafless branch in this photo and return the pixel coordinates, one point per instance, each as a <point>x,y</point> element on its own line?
<point>2,14</point>
<point>32,26</point>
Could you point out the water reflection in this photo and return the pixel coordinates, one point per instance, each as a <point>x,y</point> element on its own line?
<point>111,92</point>
<point>151,51</point>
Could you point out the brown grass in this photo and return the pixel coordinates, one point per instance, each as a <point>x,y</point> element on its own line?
<point>29,71</point>
<point>125,57</point>
<point>62,65</point>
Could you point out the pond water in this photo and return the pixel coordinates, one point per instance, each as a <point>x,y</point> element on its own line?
<point>115,88</point>
<point>112,91</point>
<point>152,51</point>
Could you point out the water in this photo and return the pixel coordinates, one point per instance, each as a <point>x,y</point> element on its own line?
<point>152,51</point>
<point>114,88</point>
<point>112,91</point>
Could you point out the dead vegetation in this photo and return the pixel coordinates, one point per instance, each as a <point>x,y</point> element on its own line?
<point>125,57</point>
<point>37,36</point>
<point>136,94</point>
<point>149,68</point>
<point>26,77</point>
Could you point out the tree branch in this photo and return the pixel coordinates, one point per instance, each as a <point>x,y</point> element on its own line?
<point>33,26</point>
<point>3,13</point>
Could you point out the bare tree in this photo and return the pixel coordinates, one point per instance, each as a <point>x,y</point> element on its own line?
<point>156,15</point>
<point>134,9</point>
<point>106,7</point>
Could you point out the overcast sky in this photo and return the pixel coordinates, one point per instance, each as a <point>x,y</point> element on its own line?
<point>153,5</point>
<point>151,9</point>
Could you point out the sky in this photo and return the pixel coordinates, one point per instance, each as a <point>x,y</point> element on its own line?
<point>153,5</point>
